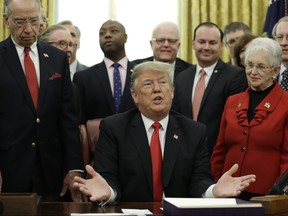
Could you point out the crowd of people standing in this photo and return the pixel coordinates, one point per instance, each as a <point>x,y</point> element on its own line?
<point>175,128</point>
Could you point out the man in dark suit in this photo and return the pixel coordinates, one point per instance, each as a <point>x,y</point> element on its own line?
<point>221,81</point>
<point>123,157</point>
<point>165,44</point>
<point>39,139</point>
<point>96,84</point>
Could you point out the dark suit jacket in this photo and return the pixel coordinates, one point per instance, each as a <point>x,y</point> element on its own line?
<point>48,136</point>
<point>80,66</point>
<point>122,157</point>
<point>226,80</point>
<point>180,64</point>
<point>96,93</point>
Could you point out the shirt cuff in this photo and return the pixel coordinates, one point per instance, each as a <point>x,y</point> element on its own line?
<point>209,192</point>
<point>81,171</point>
<point>111,199</point>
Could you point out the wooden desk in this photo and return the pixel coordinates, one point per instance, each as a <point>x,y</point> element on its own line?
<point>278,204</point>
<point>65,209</point>
<point>23,203</point>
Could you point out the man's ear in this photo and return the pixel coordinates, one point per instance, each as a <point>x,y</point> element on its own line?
<point>135,97</point>
<point>5,18</point>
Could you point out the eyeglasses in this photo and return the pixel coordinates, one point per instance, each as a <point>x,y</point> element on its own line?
<point>231,42</point>
<point>161,41</point>
<point>63,44</point>
<point>249,66</point>
<point>280,38</point>
<point>23,22</point>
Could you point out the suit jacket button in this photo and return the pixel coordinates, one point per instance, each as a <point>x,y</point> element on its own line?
<point>245,132</point>
<point>243,149</point>
<point>38,120</point>
<point>33,144</point>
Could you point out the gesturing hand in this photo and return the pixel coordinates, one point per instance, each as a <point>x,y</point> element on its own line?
<point>229,186</point>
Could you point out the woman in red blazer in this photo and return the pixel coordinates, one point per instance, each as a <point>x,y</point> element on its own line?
<point>254,125</point>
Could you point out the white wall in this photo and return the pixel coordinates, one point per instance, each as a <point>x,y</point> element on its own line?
<point>138,17</point>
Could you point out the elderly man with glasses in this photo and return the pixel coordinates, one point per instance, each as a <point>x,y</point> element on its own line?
<point>40,148</point>
<point>165,43</point>
<point>59,36</point>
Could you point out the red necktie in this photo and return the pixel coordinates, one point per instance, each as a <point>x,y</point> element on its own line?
<point>31,76</point>
<point>156,156</point>
<point>198,95</point>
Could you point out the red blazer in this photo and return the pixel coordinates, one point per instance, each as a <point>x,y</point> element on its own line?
<point>260,146</point>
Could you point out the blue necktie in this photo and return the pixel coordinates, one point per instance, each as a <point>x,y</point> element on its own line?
<point>117,87</point>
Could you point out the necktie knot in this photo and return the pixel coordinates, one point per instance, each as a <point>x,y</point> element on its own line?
<point>27,50</point>
<point>116,65</point>
<point>203,72</point>
<point>156,125</point>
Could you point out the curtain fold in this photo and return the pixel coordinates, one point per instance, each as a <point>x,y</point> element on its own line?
<point>48,5</point>
<point>221,12</point>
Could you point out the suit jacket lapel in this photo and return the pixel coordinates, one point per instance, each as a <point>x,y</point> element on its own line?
<point>13,61</point>
<point>126,92</point>
<point>172,146</point>
<point>139,138</point>
<point>212,80</point>
<point>102,74</point>
<point>44,73</point>
<point>188,92</point>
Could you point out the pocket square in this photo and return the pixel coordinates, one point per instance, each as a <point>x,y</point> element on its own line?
<point>55,76</point>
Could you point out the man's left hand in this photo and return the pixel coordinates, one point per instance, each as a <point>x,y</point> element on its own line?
<point>68,184</point>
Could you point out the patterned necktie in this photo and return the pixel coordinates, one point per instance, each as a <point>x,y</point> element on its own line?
<point>284,81</point>
<point>198,95</point>
<point>156,156</point>
<point>117,87</point>
<point>31,76</point>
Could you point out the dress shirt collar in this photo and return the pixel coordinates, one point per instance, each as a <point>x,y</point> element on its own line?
<point>20,49</point>
<point>123,63</point>
<point>282,69</point>
<point>209,70</point>
<point>148,122</point>
<point>73,66</point>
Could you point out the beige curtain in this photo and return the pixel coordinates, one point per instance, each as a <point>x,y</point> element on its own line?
<point>48,5</point>
<point>50,8</point>
<point>221,12</point>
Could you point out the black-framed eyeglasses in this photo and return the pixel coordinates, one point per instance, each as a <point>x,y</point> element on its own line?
<point>249,66</point>
<point>24,22</point>
<point>161,41</point>
<point>63,44</point>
